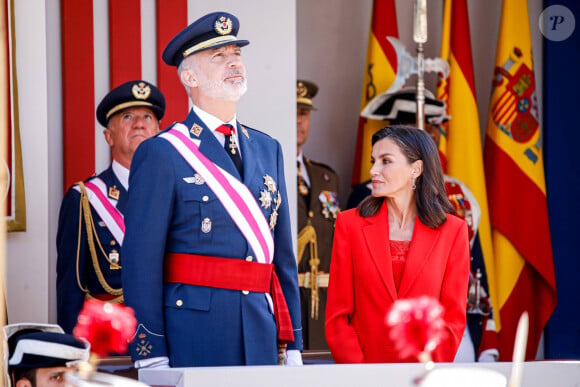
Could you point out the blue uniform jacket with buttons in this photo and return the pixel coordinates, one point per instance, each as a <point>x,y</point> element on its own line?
<point>172,210</point>
<point>70,297</point>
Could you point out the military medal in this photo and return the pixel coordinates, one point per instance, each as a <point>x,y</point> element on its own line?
<point>270,183</point>
<point>265,199</point>
<point>303,188</point>
<point>329,202</point>
<point>270,198</point>
<point>114,260</point>
<point>273,219</point>
<point>232,145</point>
<point>114,192</point>
<point>274,215</point>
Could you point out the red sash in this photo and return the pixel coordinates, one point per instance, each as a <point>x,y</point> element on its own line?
<point>232,274</point>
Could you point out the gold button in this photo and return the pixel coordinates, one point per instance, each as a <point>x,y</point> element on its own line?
<point>249,258</point>
<point>245,292</point>
<point>113,242</point>
<point>179,302</point>
<point>205,198</point>
<point>311,214</point>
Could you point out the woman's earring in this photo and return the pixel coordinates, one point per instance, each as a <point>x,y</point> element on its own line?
<point>413,185</point>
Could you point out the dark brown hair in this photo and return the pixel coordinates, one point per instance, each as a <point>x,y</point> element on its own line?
<point>431,198</point>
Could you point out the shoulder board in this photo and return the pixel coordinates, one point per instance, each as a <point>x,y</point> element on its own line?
<point>320,164</point>
<point>249,128</point>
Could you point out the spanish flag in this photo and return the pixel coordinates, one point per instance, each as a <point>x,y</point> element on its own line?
<point>461,144</point>
<point>514,171</point>
<point>380,70</point>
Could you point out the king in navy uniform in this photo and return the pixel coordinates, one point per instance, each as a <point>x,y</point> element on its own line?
<point>209,265</point>
<point>91,226</point>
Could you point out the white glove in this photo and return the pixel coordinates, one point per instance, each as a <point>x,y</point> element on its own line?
<point>293,358</point>
<point>489,356</point>
<point>160,362</point>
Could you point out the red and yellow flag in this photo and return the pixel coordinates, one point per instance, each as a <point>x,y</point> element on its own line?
<point>514,166</point>
<point>461,144</point>
<point>380,70</point>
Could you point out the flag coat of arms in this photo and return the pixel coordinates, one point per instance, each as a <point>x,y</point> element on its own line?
<point>514,171</point>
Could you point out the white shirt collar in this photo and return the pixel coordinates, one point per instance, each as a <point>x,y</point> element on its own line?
<point>300,157</point>
<point>122,174</point>
<point>305,177</point>
<point>211,121</point>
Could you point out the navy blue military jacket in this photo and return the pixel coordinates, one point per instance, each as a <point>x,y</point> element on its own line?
<point>172,210</point>
<point>71,241</point>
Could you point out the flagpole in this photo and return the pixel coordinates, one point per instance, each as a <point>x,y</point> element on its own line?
<point>4,98</point>
<point>420,37</point>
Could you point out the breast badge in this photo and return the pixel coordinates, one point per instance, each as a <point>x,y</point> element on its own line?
<point>270,183</point>
<point>195,179</point>
<point>265,199</point>
<point>329,203</point>
<point>206,225</point>
<point>270,198</point>
<point>114,260</point>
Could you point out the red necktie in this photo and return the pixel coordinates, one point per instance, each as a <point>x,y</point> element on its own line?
<point>231,147</point>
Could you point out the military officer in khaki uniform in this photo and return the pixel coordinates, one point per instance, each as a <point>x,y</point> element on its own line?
<point>317,209</point>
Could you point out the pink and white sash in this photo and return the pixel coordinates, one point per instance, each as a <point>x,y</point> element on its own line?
<point>233,194</point>
<point>105,207</point>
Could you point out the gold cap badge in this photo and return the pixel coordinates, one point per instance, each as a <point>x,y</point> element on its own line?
<point>141,90</point>
<point>223,25</point>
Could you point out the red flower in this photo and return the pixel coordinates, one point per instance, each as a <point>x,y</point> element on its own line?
<point>108,327</point>
<point>416,326</point>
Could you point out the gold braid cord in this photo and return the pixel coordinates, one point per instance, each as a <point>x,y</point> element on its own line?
<point>91,236</point>
<point>308,236</point>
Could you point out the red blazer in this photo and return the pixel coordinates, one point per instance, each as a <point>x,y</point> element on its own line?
<point>362,287</point>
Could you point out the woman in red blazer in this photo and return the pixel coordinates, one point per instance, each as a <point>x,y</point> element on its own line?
<point>400,242</point>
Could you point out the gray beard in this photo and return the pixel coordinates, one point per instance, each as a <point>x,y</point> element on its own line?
<point>222,90</point>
